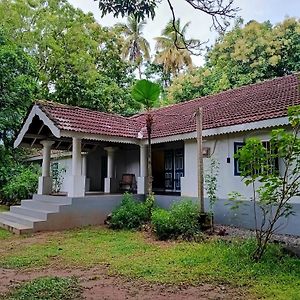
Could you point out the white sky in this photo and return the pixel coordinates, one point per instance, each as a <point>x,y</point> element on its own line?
<point>260,10</point>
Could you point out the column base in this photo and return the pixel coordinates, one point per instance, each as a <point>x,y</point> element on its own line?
<point>141,185</point>
<point>110,185</point>
<point>45,185</point>
<point>77,186</point>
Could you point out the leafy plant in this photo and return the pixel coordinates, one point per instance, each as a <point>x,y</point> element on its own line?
<point>272,189</point>
<point>131,214</point>
<point>147,93</point>
<point>211,185</point>
<point>180,220</point>
<point>48,288</point>
<point>57,173</point>
<point>21,185</point>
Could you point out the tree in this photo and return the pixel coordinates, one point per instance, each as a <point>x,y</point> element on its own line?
<point>18,85</point>
<point>173,59</point>
<point>147,93</point>
<point>219,10</point>
<point>247,54</point>
<point>136,48</point>
<point>257,51</point>
<point>272,188</point>
<point>78,60</point>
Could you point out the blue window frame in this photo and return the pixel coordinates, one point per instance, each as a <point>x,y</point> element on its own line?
<point>237,146</point>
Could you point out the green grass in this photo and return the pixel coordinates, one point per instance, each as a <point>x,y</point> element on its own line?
<point>4,233</point>
<point>277,276</point>
<point>3,208</point>
<point>47,288</point>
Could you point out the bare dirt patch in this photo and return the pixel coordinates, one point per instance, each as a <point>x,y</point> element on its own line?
<point>97,283</point>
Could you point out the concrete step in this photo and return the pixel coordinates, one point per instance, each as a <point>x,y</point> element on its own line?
<point>14,227</point>
<point>52,199</point>
<point>31,212</point>
<point>19,219</point>
<point>40,205</point>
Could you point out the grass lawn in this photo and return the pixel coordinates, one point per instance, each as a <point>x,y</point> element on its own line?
<point>131,254</point>
<point>4,233</point>
<point>3,208</point>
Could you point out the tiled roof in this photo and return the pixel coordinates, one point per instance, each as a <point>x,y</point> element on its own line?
<point>255,102</point>
<point>83,120</point>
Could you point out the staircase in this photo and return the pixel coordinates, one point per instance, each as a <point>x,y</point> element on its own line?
<point>37,214</point>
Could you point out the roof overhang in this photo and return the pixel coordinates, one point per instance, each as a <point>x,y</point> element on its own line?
<point>36,111</point>
<point>269,123</point>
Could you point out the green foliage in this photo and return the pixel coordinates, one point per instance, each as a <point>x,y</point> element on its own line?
<point>79,62</point>
<point>272,189</point>
<point>17,180</point>
<point>48,288</point>
<point>246,54</point>
<point>57,174</point>
<point>139,9</point>
<point>146,93</point>
<point>131,214</point>
<point>211,182</point>
<point>174,57</point>
<point>180,220</point>
<point>21,185</point>
<point>18,82</point>
<point>136,48</point>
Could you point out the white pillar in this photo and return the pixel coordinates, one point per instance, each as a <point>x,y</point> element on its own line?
<point>77,186</point>
<point>142,179</point>
<point>110,182</point>
<point>45,181</point>
<point>84,171</point>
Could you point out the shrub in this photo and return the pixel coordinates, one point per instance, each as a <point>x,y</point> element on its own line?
<point>180,220</point>
<point>163,224</point>
<point>131,214</point>
<point>22,185</point>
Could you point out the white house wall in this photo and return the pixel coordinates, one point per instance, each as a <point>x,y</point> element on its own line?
<point>64,164</point>
<point>224,148</point>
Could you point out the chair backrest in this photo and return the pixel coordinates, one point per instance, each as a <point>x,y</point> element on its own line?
<point>127,178</point>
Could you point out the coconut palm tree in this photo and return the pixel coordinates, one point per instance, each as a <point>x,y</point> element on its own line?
<point>169,54</point>
<point>147,93</point>
<point>136,48</point>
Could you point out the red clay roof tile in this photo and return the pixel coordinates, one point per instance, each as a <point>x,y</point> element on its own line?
<point>255,102</point>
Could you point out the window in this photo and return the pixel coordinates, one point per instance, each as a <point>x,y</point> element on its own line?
<point>273,162</point>
<point>237,147</point>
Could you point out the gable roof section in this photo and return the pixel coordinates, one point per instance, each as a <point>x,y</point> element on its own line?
<point>71,118</point>
<point>256,102</point>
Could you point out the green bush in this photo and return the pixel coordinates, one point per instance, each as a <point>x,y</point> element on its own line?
<point>22,185</point>
<point>131,214</point>
<point>180,220</point>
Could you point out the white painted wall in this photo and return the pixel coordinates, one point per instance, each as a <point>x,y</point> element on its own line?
<point>224,148</point>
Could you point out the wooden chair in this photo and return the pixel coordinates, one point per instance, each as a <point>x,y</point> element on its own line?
<point>127,183</point>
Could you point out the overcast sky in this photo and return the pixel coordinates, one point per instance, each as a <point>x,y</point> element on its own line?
<point>260,10</point>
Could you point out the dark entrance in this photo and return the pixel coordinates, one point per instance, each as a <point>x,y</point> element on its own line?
<point>167,168</point>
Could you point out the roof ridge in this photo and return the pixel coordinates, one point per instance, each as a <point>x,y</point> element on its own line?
<point>57,104</point>
<point>232,90</point>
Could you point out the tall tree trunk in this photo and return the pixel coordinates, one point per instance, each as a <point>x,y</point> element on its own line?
<point>149,173</point>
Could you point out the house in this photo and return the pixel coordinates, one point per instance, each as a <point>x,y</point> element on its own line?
<point>102,147</point>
